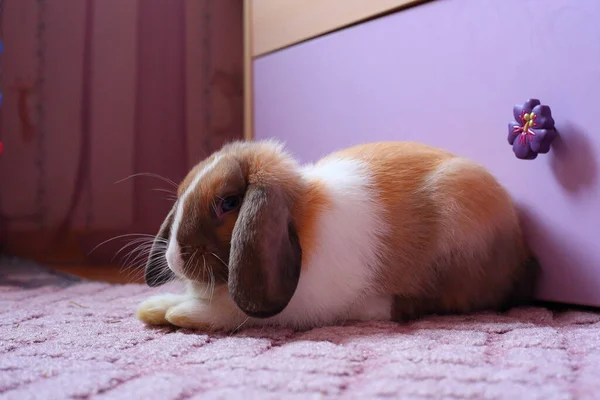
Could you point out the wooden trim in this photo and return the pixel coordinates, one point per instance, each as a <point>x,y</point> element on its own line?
<point>248,74</point>
<point>280,23</point>
<point>109,273</point>
<point>87,247</point>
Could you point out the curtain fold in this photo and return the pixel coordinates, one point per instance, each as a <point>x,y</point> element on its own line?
<point>98,91</point>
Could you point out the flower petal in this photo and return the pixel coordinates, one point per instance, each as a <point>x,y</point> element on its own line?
<point>543,118</point>
<point>512,135</point>
<point>537,141</point>
<point>527,107</point>
<point>540,143</point>
<point>522,148</point>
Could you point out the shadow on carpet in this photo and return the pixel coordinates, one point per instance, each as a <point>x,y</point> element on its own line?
<point>61,337</point>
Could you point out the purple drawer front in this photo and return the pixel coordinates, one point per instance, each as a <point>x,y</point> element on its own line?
<point>448,73</point>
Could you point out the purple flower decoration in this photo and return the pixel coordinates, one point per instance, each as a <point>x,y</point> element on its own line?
<point>532,131</point>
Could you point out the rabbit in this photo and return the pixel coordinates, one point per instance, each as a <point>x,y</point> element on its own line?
<point>387,231</point>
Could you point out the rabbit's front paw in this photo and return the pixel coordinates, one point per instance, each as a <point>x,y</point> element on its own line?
<point>153,311</point>
<point>191,314</point>
<point>197,314</point>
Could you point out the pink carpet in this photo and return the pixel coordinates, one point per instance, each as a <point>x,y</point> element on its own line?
<point>62,338</point>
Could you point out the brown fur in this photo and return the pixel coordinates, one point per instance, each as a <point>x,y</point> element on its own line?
<point>306,213</point>
<point>455,243</point>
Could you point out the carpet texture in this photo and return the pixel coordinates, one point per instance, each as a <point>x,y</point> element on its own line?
<point>63,338</point>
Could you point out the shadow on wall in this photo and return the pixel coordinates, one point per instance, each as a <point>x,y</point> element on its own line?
<point>573,160</point>
<point>562,277</point>
<point>574,164</point>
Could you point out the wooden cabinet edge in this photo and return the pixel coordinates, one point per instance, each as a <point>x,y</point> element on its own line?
<point>268,22</point>
<point>248,74</point>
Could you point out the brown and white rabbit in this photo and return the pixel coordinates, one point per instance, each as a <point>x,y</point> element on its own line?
<point>381,231</point>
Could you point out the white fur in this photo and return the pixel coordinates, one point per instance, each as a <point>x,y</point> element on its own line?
<point>335,282</point>
<point>173,254</point>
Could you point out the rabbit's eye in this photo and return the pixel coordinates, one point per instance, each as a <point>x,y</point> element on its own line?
<point>230,203</point>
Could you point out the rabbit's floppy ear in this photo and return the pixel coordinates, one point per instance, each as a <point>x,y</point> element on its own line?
<point>265,255</point>
<point>157,272</point>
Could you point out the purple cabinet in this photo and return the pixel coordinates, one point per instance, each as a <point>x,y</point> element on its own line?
<point>448,73</point>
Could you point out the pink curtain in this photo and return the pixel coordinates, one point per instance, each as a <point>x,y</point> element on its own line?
<point>100,90</point>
